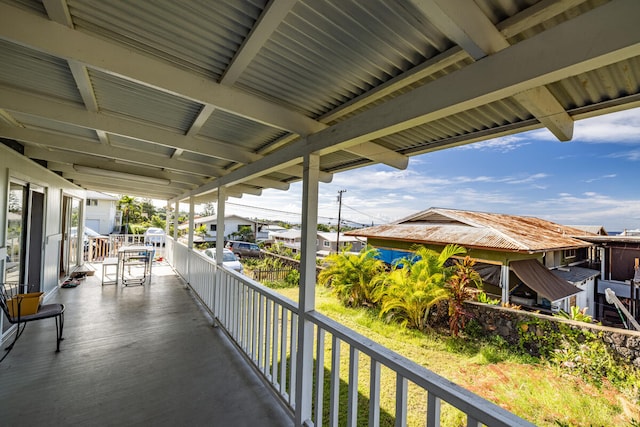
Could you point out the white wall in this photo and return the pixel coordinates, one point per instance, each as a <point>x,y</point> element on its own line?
<point>103,215</point>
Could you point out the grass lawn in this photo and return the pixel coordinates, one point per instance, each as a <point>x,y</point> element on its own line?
<point>536,392</point>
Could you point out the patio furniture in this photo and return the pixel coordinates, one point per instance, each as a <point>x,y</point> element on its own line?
<point>136,257</point>
<point>12,298</point>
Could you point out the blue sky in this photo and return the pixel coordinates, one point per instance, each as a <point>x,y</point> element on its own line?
<point>591,180</point>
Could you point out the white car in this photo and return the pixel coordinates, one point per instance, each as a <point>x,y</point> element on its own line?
<point>154,236</point>
<point>229,260</point>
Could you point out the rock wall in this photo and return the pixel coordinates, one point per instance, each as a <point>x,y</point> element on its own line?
<point>510,324</point>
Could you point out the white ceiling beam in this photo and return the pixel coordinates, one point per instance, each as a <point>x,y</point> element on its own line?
<point>269,20</point>
<point>135,191</point>
<point>31,30</point>
<point>58,12</point>
<point>535,15</point>
<point>467,25</point>
<point>28,103</point>
<point>189,181</point>
<point>603,36</point>
<point>378,153</point>
<point>297,171</point>
<point>80,146</point>
<point>79,177</point>
<point>268,183</point>
<point>202,118</point>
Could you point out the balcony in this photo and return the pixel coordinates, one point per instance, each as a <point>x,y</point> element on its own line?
<point>149,355</point>
<point>138,355</point>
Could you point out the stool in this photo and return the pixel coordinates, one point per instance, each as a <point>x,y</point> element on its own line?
<point>109,262</point>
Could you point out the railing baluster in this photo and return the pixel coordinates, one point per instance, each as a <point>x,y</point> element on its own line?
<point>293,359</point>
<point>374,394</point>
<point>433,410</point>
<point>267,338</point>
<point>334,391</point>
<point>319,396</point>
<point>260,332</point>
<point>401,401</point>
<point>275,347</point>
<point>352,399</point>
<point>283,352</point>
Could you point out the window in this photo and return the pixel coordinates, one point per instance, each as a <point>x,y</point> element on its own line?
<point>570,253</point>
<point>326,244</point>
<point>92,202</point>
<point>212,227</point>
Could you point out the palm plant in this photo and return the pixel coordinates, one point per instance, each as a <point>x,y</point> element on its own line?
<point>414,286</point>
<point>351,276</point>
<point>459,287</point>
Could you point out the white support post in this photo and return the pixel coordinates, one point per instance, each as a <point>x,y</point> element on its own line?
<point>504,282</point>
<point>190,238</point>
<point>306,304</point>
<point>169,218</point>
<point>175,220</point>
<point>220,225</point>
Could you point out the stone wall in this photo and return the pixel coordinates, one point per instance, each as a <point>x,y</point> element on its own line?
<point>510,323</point>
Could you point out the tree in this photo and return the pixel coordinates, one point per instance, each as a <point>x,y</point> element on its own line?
<point>415,285</point>
<point>351,276</point>
<point>323,227</point>
<point>209,209</point>
<point>130,209</point>
<point>459,287</point>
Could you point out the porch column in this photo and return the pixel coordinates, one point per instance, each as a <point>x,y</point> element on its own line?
<point>306,304</point>
<point>190,238</point>
<point>220,225</point>
<point>176,207</point>
<point>504,282</point>
<point>168,218</point>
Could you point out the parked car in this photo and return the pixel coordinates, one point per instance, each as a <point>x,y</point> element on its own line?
<point>88,232</point>
<point>154,236</point>
<point>244,249</point>
<point>229,260</point>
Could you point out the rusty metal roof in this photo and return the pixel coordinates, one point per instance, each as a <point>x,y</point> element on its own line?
<point>479,230</point>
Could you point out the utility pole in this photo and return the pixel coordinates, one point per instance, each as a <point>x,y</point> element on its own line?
<point>339,212</point>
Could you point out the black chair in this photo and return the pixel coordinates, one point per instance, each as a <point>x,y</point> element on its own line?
<point>9,296</point>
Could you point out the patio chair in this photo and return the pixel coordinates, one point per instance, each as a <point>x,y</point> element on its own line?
<point>12,300</point>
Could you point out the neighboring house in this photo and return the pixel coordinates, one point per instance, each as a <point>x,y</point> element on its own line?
<point>618,257</point>
<point>232,224</point>
<point>100,212</point>
<point>326,242</point>
<point>514,253</point>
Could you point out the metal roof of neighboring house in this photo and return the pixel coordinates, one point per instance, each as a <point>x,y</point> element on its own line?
<point>174,100</point>
<point>575,274</point>
<point>591,229</point>
<point>471,229</point>
<point>332,237</point>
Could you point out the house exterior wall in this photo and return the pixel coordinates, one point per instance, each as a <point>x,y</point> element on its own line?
<point>101,216</point>
<point>621,261</point>
<point>18,167</point>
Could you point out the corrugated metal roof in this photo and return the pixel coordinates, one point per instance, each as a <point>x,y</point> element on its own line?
<point>278,79</point>
<point>478,230</point>
<point>575,274</point>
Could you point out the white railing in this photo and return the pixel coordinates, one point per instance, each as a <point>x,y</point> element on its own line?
<point>264,326</point>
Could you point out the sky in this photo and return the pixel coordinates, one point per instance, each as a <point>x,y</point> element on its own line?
<point>591,180</point>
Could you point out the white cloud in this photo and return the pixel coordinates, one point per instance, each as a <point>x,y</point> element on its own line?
<point>620,127</point>
<point>503,144</point>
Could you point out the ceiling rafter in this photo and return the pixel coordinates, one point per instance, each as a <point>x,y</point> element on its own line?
<point>465,23</point>
<point>25,102</point>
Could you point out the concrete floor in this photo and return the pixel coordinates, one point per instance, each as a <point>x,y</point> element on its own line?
<point>140,355</point>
